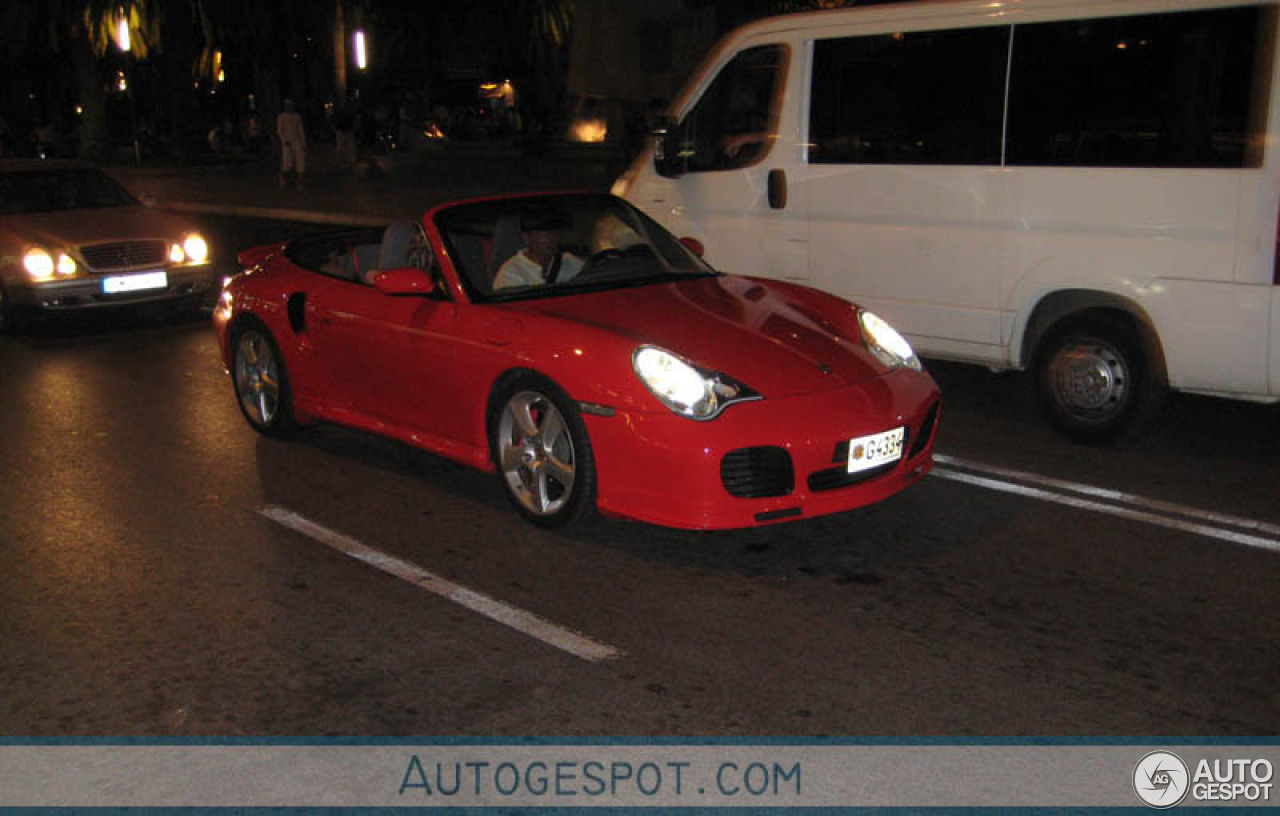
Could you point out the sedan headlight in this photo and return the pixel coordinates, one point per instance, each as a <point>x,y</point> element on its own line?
<point>196,248</point>
<point>891,348</point>
<point>193,250</point>
<point>686,389</point>
<point>41,266</point>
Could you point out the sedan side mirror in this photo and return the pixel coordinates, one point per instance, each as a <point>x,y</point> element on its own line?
<point>407,280</point>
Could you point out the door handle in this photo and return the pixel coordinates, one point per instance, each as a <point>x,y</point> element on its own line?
<point>778,189</point>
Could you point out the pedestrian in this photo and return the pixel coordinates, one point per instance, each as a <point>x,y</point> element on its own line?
<point>345,139</point>
<point>293,144</point>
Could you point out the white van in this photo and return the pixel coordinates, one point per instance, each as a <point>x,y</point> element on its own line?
<point>1086,188</point>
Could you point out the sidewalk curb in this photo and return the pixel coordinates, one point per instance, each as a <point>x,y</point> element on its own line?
<point>277,214</point>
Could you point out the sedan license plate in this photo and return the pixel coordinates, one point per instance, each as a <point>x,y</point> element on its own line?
<point>867,452</point>
<point>135,283</point>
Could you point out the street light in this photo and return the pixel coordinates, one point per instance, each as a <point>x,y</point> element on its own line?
<point>122,33</point>
<point>362,56</point>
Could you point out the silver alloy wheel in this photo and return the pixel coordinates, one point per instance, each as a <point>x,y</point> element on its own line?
<point>257,375</point>
<point>535,453</point>
<point>1090,379</point>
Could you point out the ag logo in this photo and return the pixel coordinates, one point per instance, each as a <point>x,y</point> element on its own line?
<point>1161,779</point>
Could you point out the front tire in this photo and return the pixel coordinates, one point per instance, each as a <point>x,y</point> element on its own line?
<point>541,450</point>
<point>1095,380</point>
<point>261,381</point>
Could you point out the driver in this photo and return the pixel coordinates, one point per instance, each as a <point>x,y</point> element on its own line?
<point>541,260</point>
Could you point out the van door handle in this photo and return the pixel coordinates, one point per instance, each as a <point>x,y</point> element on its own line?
<point>778,189</point>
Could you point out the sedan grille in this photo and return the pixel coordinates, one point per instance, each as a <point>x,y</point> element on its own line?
<point>124,255</point>
<point>757,473</point>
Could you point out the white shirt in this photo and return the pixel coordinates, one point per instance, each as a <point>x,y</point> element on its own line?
<point>290,130</point>
<point>521,270</point>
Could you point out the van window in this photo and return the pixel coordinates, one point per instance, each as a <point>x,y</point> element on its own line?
<point>734,122</point>
<point>1158,90</point>
<point>932,97</point>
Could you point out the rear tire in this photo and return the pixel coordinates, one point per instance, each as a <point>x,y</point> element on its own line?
<point>1095,381</point>
<point>541,451</point>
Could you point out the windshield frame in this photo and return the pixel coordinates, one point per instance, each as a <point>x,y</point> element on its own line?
<point>671,260</point>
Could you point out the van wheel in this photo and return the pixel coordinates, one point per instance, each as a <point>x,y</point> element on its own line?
<point>1095,381</point>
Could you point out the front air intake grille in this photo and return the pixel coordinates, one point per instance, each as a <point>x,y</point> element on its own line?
<point>926,431</point>
<point>757,473</point>
<point>124,255</point>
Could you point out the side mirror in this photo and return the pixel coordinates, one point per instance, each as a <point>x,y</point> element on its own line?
<point>408,280</point>
<point>666,149</point>
<point>693,245</point>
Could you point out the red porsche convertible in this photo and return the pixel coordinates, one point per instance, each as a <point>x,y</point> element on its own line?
<point>571,345</point>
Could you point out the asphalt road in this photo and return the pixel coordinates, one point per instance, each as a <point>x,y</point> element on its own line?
<point>166,571</point>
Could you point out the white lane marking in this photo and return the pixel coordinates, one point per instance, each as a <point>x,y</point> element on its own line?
<point>1117,496</point>
<point>1111,509</point>
<point>526,622</point>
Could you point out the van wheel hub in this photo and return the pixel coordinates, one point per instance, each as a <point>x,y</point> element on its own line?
<point>1091,378</point>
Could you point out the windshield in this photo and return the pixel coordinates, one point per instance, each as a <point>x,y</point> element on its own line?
<point>54,189</point>
<point>538,246</point>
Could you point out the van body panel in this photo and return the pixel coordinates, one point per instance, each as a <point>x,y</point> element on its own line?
<point>1275,340</point>
<point>1214,334</point>
<point>915,244</point>
<point>960,256</point>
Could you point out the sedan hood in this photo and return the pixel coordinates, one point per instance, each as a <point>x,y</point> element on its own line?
<point>92,226</point>
<point>749,329</point>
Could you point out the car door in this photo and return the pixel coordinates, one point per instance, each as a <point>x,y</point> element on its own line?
<point>905,135</point>
<point>739,152</point>
<point>391,356</point>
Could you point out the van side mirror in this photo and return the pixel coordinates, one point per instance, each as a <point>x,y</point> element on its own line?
<point>666,148</point>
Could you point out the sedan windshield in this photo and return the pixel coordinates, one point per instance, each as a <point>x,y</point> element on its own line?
<point>54,189</point>
<point>547,245</point>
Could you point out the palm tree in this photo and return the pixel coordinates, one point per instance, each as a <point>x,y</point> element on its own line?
<point>549,26</point>
<point>83,31</point>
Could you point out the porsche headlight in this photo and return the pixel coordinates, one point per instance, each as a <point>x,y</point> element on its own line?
<point>42,266</point>
<point>891,348</point>
<point>685,389</point>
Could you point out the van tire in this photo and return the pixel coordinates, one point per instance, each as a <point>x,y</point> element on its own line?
<point>1095,380</point>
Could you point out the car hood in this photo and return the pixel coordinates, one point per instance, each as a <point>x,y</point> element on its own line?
<point>749,329</point>
<point>92,226</point>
